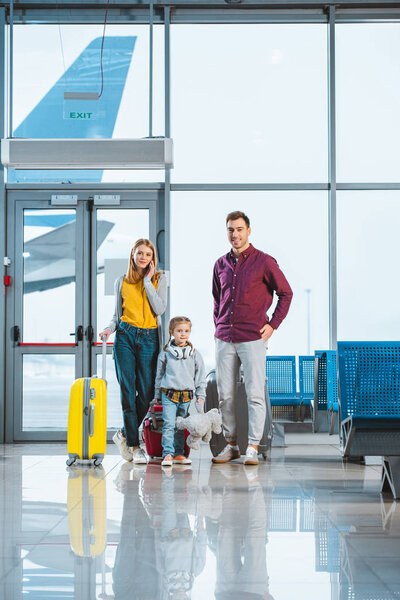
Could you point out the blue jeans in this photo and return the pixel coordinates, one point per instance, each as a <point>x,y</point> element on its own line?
<point>135,355</point>
<point>173,440</point>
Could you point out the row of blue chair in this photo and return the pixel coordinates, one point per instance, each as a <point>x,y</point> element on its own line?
<point>281,377</point>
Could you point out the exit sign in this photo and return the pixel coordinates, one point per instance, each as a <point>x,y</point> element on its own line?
<point>80,115</point>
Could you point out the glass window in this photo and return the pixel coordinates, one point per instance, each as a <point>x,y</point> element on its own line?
<point>290,226</point>
<point>368,98</point>
<point>249,103</point>
<point>117,231</point>
<point>368,232</point>
<point>67,59</point>
<point>49,275</point>
<point>46,386</point>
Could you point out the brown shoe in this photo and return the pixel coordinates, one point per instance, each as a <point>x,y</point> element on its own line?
<point>227,454</point>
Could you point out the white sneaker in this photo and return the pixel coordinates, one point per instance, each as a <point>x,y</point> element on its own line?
<point>123,447</point>
<point>167,461</point>
<point>139,457</point>
<point>227,454</point>
<point>251,457</point>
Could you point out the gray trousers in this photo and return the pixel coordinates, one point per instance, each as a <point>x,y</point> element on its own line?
<point>229,356</point>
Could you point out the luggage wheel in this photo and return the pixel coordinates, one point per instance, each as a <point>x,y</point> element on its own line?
<point>70,461</point>
<point>97,462</point>
<point>265,456</point>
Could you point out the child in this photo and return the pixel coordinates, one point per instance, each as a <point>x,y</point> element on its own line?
<point>180,376</point>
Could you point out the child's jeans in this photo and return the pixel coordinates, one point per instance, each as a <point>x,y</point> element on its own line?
<point>173,441</point>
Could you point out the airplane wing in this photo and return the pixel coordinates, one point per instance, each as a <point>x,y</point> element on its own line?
<point>54,117</point>
<point>49,259</point>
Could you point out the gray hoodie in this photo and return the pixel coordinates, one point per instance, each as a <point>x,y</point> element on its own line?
<point>180,368</point>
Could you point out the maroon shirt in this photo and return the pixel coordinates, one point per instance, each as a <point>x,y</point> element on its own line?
<point>243,291</point>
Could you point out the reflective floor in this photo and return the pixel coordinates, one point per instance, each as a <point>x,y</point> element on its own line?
<point>301,525</point>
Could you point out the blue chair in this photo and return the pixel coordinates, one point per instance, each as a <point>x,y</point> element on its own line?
<point>369,393</point>
<point>332,391</point>
<point>306,381</point>
<point>281,380</point>
<point>319,403</point>
<point>281,376</point>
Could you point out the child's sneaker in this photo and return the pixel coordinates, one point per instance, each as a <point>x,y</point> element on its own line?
<point>123,447</point>
<point>182,460</point>
<point>167,461</point>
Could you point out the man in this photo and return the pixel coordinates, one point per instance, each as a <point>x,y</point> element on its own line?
<point>244,283</point>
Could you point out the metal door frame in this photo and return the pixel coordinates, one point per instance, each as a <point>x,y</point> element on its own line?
<point>145,199</point>
<point>85,307</point>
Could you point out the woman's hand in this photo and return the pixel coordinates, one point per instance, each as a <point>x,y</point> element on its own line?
<point>106,332</point>
<point>150,270</point>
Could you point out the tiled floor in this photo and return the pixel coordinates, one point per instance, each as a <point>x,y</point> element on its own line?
<point>301,525</point>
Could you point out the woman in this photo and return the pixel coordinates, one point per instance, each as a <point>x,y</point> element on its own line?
<point>140,299</point>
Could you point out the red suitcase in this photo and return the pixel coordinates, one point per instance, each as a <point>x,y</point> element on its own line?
<point>152,431</point>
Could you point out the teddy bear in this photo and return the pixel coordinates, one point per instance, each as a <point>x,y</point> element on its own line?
<point>200,426</point>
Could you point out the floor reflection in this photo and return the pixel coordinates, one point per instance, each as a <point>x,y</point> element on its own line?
<point>238,533</point>
<point>223,532</point>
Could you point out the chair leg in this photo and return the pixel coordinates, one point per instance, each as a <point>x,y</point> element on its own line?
<point>391,476</point>
<point>332,422</point>
<point>300,412</point>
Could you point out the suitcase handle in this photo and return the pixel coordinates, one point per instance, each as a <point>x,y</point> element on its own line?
<point>153,414</point>
<point>104,357</point>
<point>91,419</point>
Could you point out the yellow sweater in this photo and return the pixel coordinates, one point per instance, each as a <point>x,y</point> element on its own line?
<point>136,309</point>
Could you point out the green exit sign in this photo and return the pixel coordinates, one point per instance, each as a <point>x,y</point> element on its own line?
<point>80,115</point>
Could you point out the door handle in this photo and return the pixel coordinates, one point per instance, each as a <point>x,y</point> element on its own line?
<point>90,333</point>
<point>15,333</point>
<point>78,334</point>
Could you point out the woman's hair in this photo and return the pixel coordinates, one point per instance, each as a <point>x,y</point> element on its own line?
<point>173,323</point>
<point>132,274</point>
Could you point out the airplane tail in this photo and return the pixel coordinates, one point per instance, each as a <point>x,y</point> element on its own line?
<point>56,117</point>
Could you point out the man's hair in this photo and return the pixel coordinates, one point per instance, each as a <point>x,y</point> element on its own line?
<point>238,214</point>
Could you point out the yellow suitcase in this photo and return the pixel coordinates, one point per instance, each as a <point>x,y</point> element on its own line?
<point>87,418</point>
<point>86,505</point>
